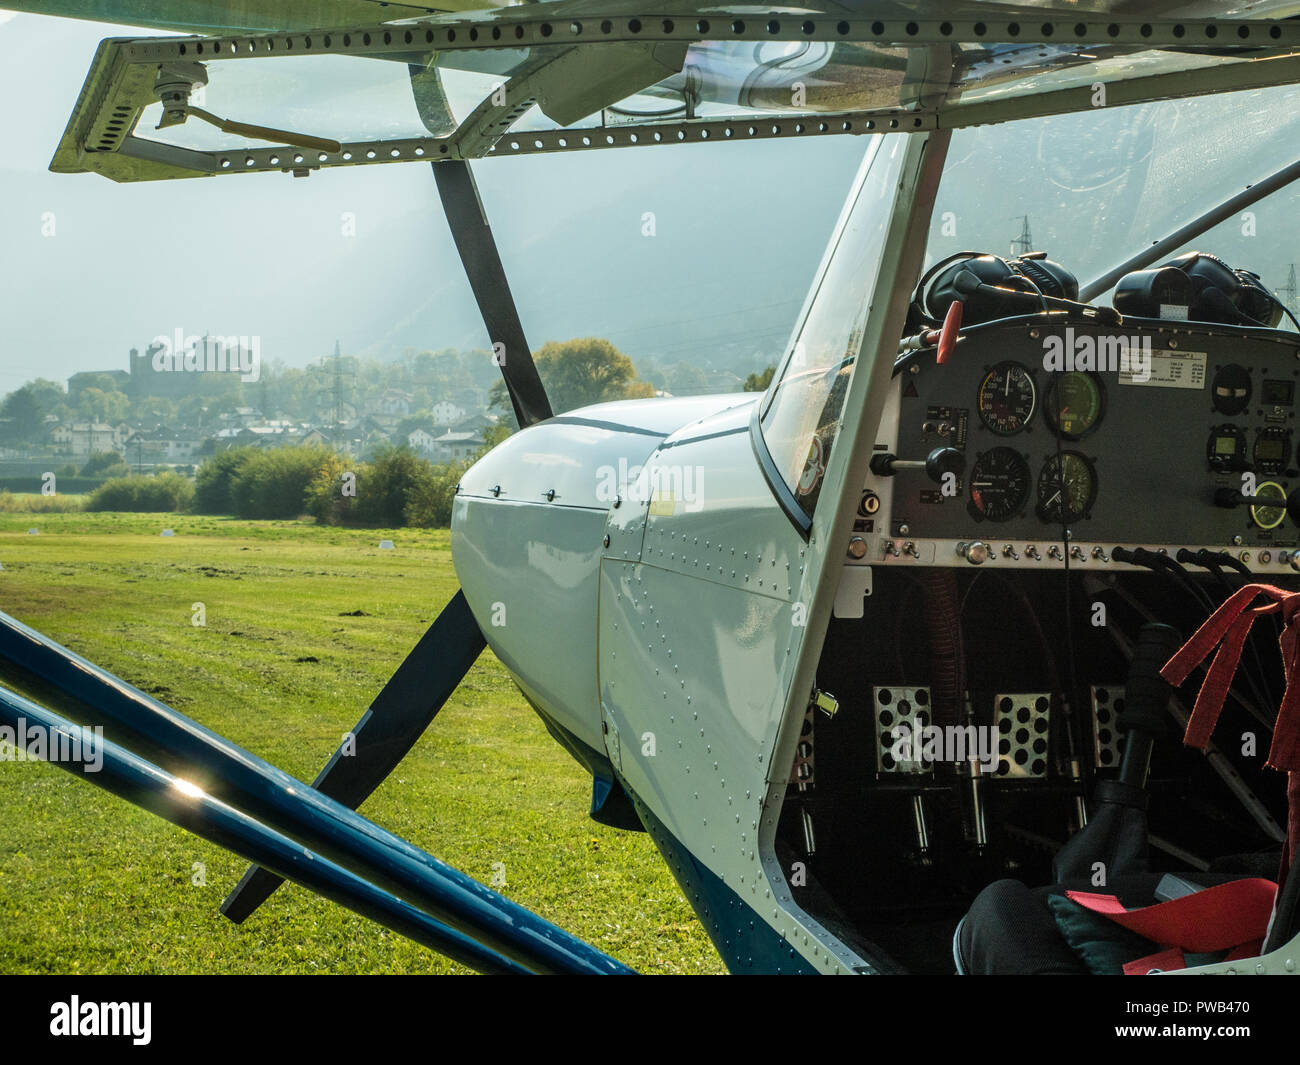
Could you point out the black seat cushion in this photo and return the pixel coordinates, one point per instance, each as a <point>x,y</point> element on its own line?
<point>1014,930</point>
<point>1010,930</point>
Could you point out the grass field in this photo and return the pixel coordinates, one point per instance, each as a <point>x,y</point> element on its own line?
<point>284,666</point>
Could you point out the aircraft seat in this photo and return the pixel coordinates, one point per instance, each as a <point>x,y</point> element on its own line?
<point>1012,929</point>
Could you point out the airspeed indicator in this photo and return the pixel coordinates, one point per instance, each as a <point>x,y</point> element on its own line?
<point>1007,398</point>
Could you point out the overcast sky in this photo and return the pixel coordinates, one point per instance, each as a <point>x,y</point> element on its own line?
<point>265,254</point>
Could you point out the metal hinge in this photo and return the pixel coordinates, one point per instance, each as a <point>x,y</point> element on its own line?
<point>825,702</point>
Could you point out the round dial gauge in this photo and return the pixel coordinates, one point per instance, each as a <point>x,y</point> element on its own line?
<point>1007,398</point>
<point>1075,403</point>
<point>1225,450</point>
<point>1067,488</point>
<point>999,484</point>
<point>1269,516</point>
<point>1263,515</point>
<point>1230,389</point>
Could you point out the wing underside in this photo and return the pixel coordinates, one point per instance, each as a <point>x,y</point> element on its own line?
<point>590,74</point>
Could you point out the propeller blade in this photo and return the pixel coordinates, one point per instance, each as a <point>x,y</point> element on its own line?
<point>386,732</point>
<point>487,277</point>
<point>266,133</point>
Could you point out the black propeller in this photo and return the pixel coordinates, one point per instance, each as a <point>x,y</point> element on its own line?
<point>487,277</point>
<point>438,663</point>
<point>387,731</point>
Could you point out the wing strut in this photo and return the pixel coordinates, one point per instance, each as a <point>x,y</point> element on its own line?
<point>165,762</point>
<point>487,278</point>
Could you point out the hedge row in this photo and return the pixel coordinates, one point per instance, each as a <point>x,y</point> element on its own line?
<point>397,488</point>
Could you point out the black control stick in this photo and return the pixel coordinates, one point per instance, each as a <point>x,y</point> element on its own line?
<point>1230,497</point>
<point>1146,699</point>
<point>1116,834</point>
<point>940,461</point>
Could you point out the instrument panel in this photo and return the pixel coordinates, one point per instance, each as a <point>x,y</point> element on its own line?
<point>1052,440</point>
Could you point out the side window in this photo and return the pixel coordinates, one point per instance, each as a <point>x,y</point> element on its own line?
<point>805,402</point>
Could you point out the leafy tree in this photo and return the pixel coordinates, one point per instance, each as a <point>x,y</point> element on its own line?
<point>216,476</point>
<point>22,414</point>
<point>273,483</point>
<point>383,487</point>
<point>576,373</point>
<point>325,499</point>
<point>103,381</point>
<point>431,496</point>
<point>492,436</point>
<point>98,405</point>
<point>758,382</point>
<point>167,491</point>
<point>100,462</point>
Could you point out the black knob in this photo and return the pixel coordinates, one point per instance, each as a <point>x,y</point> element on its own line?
<point>937,465</point>
<point>1229,498</point>
<point>944,460</point>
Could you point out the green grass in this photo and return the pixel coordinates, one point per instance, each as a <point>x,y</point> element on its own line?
<point>90,884</point>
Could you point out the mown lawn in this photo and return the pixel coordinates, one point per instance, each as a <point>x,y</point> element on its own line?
<point>284,666</point>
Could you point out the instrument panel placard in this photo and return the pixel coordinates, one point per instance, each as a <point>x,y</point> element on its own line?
<point>1170,369</point>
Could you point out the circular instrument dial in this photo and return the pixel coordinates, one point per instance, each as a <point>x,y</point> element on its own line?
<point>1230,389</point>
<point>1263,515</point>
<point>1007,398</point>
<point>1075,404</point>
<point>1067,488</point>
<point>999,484</point>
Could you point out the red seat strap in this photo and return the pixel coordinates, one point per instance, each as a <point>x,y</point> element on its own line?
<point>1217,918</point>
<point>1227,628</point>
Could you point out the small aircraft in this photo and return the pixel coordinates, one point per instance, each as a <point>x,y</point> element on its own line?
<point>888,660</point>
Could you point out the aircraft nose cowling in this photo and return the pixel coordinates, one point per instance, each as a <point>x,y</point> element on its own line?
<point>527,528</point>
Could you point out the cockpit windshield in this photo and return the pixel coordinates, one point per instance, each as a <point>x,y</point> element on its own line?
<point>802,410</point>
<point>1095,187</point>
<point>1090,189</point>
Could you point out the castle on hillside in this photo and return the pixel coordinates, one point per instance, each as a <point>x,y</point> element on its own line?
<point>151,372</point>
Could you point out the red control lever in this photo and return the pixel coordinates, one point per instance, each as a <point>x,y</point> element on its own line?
<point>948,334</point>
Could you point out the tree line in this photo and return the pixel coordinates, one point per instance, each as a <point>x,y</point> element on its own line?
<point>395,487</point>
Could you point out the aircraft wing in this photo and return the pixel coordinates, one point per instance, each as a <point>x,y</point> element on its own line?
<point>210,17</point>
<point>570,75</point>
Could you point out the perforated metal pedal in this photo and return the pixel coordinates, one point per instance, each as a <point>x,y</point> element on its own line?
<point>1107,704</point>
<point>897,708</point>
<point>1023,721</point>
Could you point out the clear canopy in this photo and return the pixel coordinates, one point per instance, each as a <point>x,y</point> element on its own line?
<point>1090,189</point>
